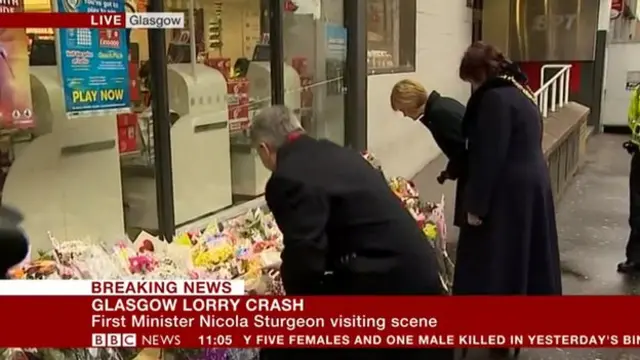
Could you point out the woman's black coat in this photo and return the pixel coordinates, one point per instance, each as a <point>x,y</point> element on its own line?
<point>443,117</point>
<point>515,249</point>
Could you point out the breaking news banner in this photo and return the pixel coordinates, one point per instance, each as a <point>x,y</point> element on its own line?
<point>217,314</point>
<point>143,20</point>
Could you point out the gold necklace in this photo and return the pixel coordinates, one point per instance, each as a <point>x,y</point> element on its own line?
<point>525,90</point>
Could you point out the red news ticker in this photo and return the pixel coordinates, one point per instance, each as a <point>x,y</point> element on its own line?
<point>63,20</point>
<point>323,321</point>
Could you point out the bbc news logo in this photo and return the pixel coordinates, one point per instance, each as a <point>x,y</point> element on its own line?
<point>113,340</point>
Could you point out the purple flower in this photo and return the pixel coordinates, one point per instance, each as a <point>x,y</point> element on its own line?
<point>213,354</point>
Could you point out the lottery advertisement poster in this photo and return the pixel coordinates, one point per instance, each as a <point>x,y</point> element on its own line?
<point>16,109</point>
<point>94,62</point>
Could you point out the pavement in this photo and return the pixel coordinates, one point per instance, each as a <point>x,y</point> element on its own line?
<point>592,227</point>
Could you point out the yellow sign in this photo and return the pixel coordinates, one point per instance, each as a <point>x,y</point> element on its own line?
<point>82,96</point>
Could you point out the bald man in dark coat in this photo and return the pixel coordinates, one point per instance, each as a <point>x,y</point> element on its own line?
<point>344,231</point>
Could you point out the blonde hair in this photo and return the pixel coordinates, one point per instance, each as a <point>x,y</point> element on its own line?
<point>408,94</point>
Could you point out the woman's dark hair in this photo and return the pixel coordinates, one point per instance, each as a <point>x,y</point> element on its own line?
<point>482,61</point>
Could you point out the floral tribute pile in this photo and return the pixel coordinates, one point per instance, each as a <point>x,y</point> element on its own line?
<point>247,247</point>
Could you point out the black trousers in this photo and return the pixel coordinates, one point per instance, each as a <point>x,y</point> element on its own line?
<point>633,244</point>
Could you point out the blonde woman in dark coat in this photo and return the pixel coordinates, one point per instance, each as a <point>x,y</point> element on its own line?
<point>443,117</point>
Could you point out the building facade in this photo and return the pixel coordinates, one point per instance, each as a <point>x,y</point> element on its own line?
<point>443,31</point>
<point>189,161</point>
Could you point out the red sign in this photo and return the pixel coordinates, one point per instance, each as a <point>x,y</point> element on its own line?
<point>109,38</point>
<point>136,320</point>
<point>134,86</point>
<point>221,64</point>
<point>13,19</point>
<point>238,104</point>
<point>290,5</point>
<point>11,6</point>
<point>616,8</point>
<point>127,132</point>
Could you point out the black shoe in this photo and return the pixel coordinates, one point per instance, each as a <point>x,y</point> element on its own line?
<point>629,267</point>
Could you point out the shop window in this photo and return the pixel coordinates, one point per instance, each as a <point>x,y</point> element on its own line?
<point>213,164</point>
<point>211,100</point>
<point>476,19</point>
<point>315,40</point>
<point>391,35</point>
<point>66,159</point>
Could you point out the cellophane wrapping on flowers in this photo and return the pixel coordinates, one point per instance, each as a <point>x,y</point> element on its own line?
<point>247,247</point>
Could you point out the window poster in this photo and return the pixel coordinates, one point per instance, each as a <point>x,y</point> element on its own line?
<point>16,109</point>
<point>94,63</point>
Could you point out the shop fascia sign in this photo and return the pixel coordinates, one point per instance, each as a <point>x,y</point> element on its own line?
<point>617,6</point>
<point>564,22</point>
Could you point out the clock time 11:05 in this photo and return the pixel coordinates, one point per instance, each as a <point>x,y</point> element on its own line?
<point>215,340</point>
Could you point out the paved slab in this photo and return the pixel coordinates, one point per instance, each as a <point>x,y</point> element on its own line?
<point>592,224</point>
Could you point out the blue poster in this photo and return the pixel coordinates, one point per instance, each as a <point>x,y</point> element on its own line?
<point>336,55</point>
<point>94,63</point>
<point>336,38</point>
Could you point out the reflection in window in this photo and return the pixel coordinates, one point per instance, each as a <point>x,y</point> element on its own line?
<point>213,164</point>
<point>391,35</point>
<point>62,173</point>
<point>552,30</point>
<point>211,102</point>
<point>315,41</point>
<point>531,30</point>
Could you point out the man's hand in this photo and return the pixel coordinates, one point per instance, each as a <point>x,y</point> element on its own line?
<point>473,220</point>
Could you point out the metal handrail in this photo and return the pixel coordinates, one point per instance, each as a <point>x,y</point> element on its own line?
<point>554,93</point>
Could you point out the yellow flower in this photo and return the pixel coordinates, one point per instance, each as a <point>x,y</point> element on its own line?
<point>203,258</point>
<point>183,239</point>
<point>213,256</point>
<point>431,231</point>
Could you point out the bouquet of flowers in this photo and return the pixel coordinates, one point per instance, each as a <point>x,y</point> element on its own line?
<point>428,215</point>
<point>247,247</point>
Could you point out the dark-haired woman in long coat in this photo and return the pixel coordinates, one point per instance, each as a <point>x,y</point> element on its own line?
<point>509,245</point>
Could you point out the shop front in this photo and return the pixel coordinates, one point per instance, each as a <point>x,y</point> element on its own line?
<point>181,156</point>
<point>536,33</point>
